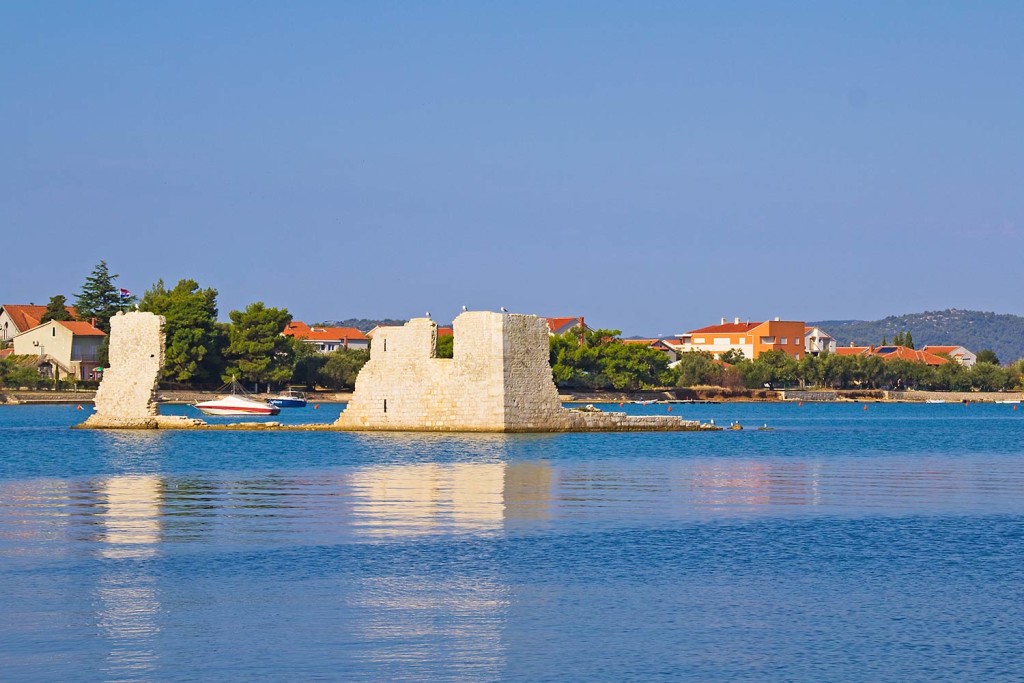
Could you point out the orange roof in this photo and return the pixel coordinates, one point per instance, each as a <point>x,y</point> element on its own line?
<point>852,350</point>
<point>562,324</point>
<point>940,349</point>
<point>301,330</point>
<point>6,352</point>
<point>294,327</point>
<point>734,328</point>
<point>27,316</point>
<point>647,342</point>
<point>445,332</point>
<point>904,353</point>
<point>82,329</point>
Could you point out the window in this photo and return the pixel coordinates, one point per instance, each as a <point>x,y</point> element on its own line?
<point>784,341</point>
<point>698,340</point>
<point>385,405</point>
<point>53,331</point>
<point>767,340</point>
<point>797,341</point>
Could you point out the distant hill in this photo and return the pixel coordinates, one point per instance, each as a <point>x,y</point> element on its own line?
<point>361,324</point>
<point>976,330</point>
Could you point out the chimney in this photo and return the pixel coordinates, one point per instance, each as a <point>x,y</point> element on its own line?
<point>777,318</point>
<point>736,321</point>
<point>723,321</point>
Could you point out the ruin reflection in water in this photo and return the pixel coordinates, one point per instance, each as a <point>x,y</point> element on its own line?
<point>128,598</point>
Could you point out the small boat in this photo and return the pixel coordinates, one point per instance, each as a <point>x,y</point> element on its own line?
<point>645,403</point>
<point>1009,401</point>
<point>237,403</point>
<point>233,404</point>
<point>289,399</point>
<point>936,400</point>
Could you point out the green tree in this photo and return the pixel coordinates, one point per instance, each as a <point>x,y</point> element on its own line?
<point>838,371</point>
<point>342,368</point>
<point>195,340</point>
<point>733,356</point>
<point>869,371</point>
<point>445,346</point>
<point>602,361</point>
<point>990,377</point>
<point>951,377</point>
<point>810,370</point>
<point>908,340</point>
<point>56,309</point>
<point>307,363</point>
<point>771,369</point>
<point>257,351</point>
<point>698,368</point>
<point>16,373</point>
<point>100,298</point>
<point>988,356</point>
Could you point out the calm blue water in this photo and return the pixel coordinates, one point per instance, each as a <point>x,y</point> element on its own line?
<point>849,544</point>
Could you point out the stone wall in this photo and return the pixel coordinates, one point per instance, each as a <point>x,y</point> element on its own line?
<point>126,398</point>
<point>499,380</point>
<point>955,396</point>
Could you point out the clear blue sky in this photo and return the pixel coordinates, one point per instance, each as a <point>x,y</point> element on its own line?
<point>652,166</point>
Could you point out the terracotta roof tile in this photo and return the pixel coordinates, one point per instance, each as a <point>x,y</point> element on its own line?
<point>301,330</point>
<point>563,324</point>
<point>733,328</point>
<point>82,329</point>
<point>27,316</point>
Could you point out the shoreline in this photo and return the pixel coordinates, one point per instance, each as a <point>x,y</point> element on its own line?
<point>669,396</point>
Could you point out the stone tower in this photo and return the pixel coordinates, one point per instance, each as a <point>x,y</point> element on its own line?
<point>499,380</point>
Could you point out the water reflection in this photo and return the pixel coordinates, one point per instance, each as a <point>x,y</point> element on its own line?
<point>127,596</point>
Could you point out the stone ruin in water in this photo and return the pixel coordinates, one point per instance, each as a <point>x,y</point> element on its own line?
<point>126,398</point>
<point>499,380</point>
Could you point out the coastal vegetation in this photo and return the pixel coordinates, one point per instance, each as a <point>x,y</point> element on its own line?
<point>203,353</point>
<point>195,340</point>
<point>776,370</point>
<point>597,359</point>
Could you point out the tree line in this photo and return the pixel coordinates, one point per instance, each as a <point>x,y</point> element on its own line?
<point>775,369</point>
<point>200,351</point>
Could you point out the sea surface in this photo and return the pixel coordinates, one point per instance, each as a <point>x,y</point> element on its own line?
<point>855,542</point>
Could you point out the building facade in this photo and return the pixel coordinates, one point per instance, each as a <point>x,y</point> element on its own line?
<point>65,349</point>
<point>817,341</point>
<point>752,338</point>
<point>18,318</point>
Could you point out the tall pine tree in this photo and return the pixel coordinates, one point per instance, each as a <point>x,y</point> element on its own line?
<point>257,351</point>
<point>100,298</point>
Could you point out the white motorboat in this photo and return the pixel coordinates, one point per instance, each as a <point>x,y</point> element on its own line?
<point>234,404</point>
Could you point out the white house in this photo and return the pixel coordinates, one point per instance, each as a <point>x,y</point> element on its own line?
<point>64,348</point>
<point>18,318</point>
<point>818,341</point>
<point>957,353</point>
